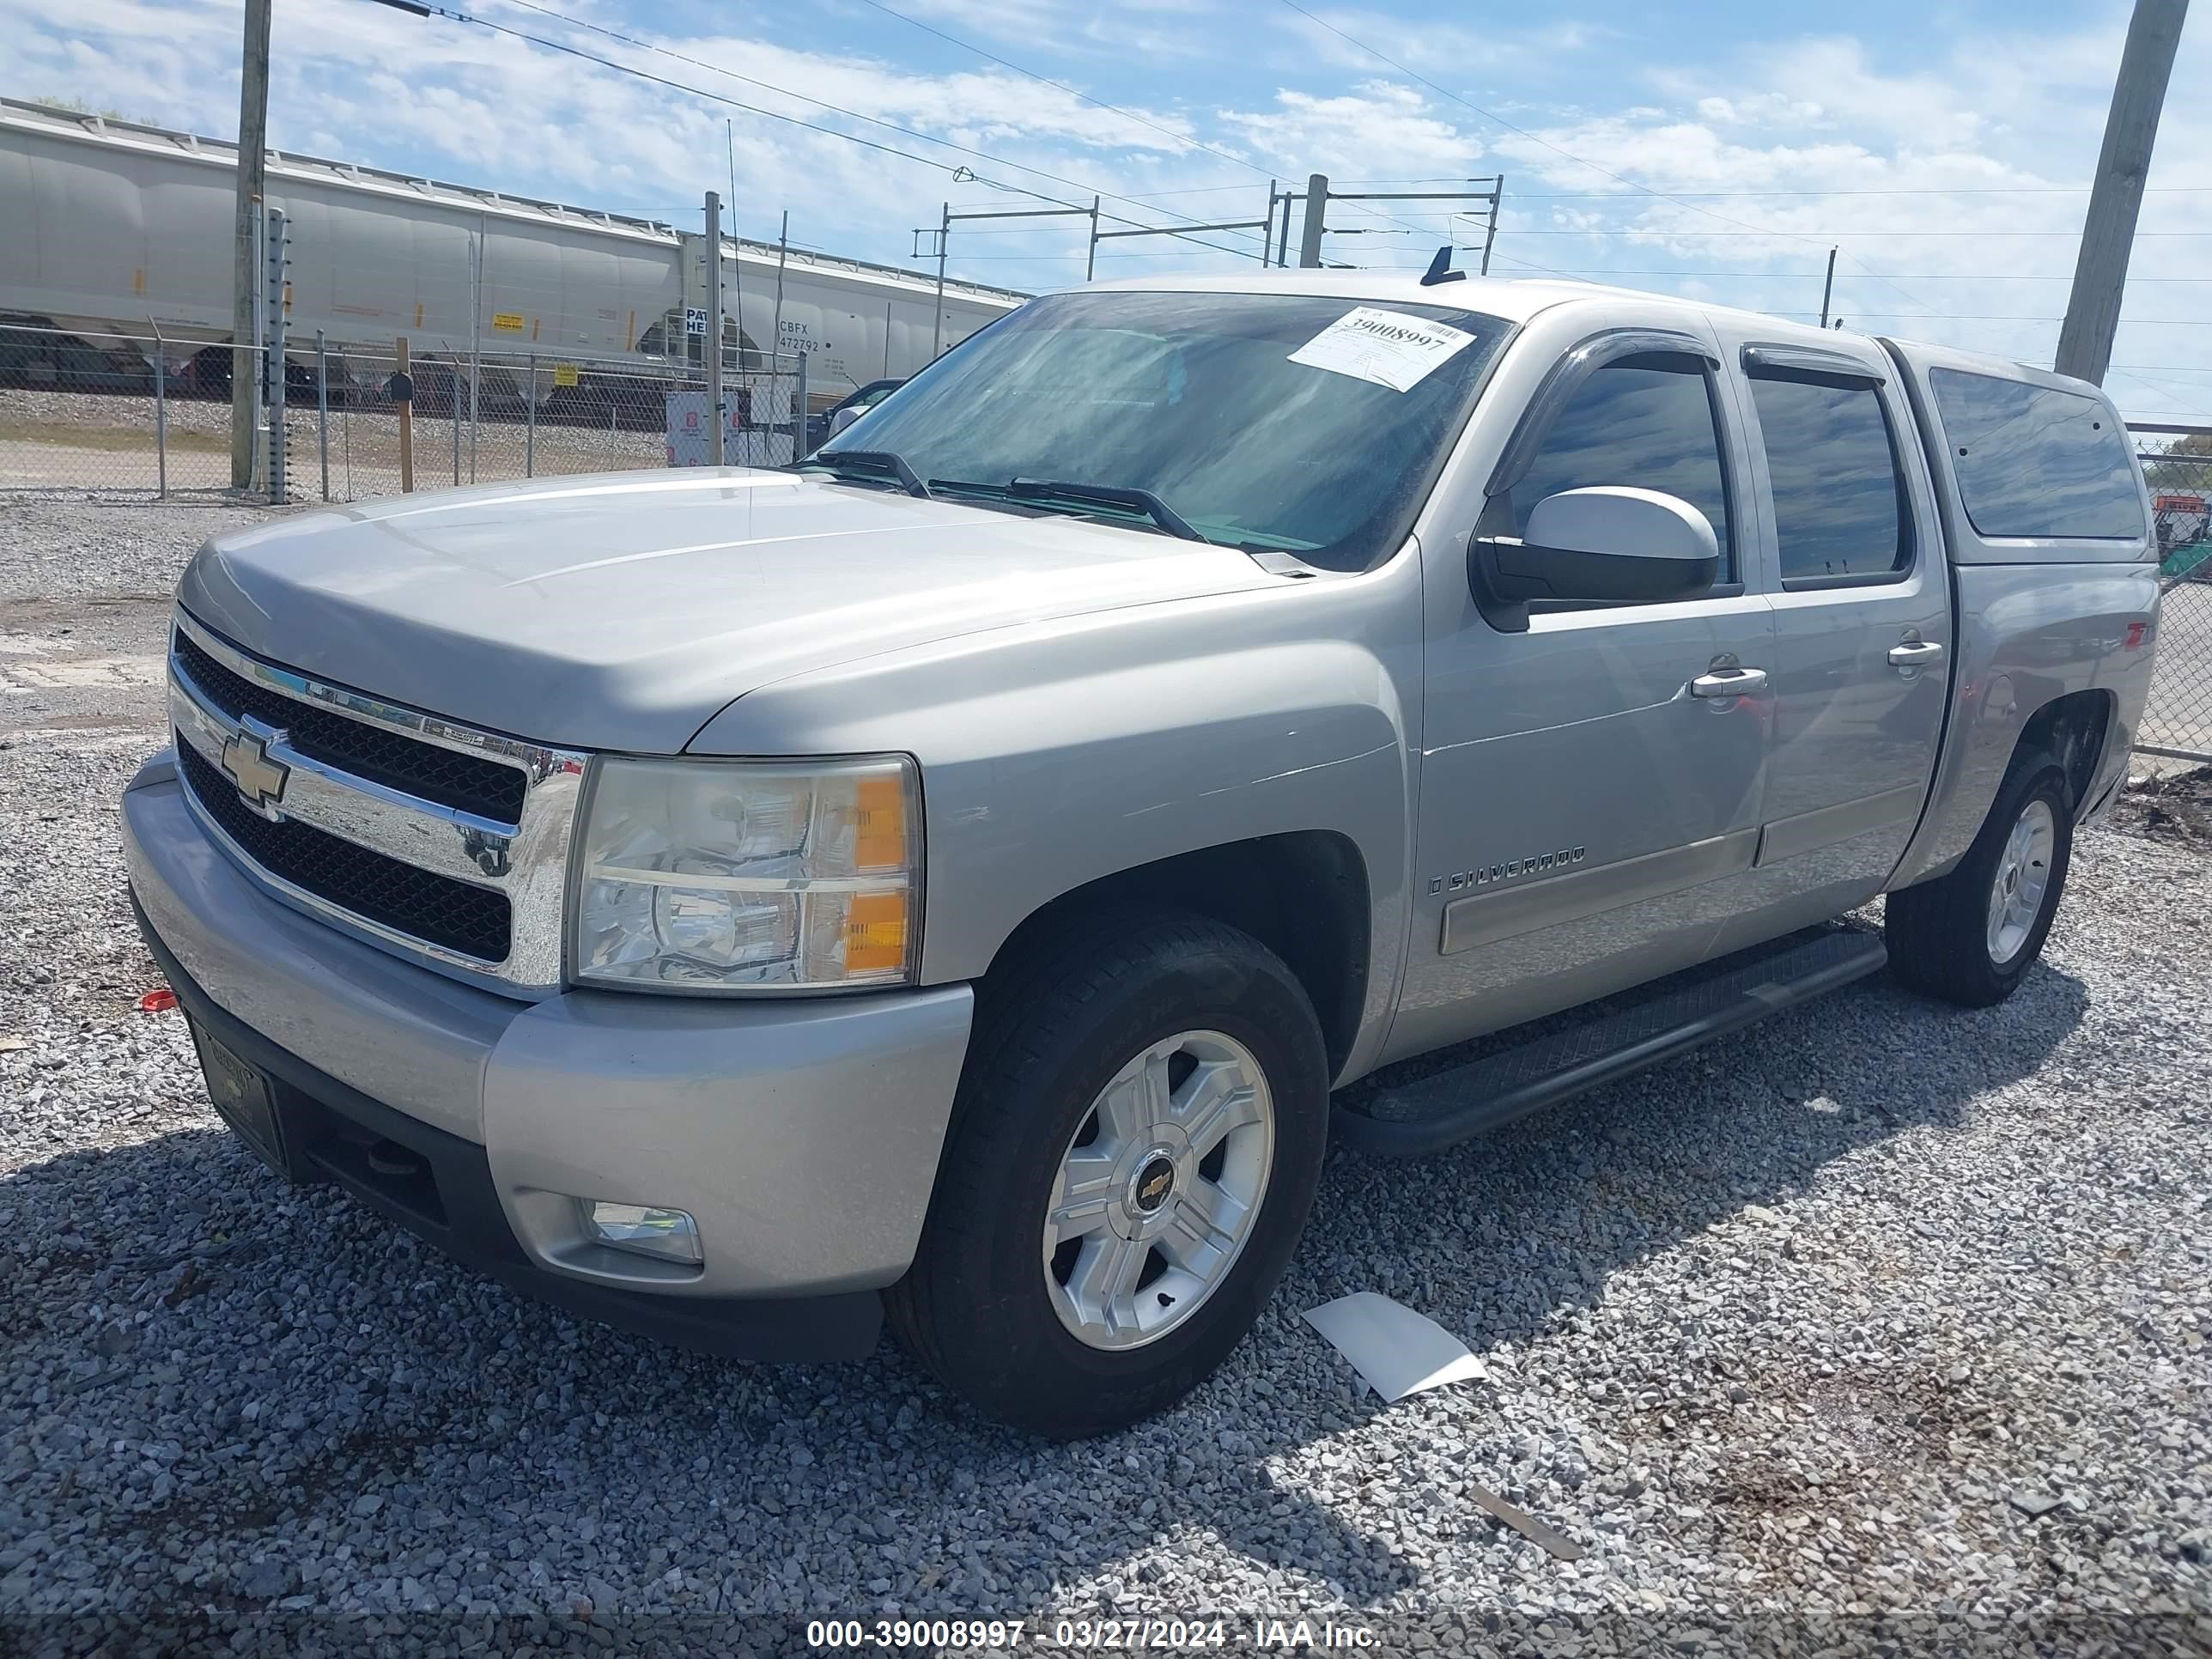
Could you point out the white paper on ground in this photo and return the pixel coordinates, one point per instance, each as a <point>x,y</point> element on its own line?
<point>1386,347</point>
<point>1397,1350</point>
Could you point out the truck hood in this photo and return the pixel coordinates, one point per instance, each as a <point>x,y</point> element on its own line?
<point>622,611</point>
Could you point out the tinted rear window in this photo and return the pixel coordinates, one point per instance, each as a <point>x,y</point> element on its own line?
<point>1838,503</point>
<point>2033,460</point>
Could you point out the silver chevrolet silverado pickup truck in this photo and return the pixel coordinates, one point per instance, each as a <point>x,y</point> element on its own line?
<point>963,879</point>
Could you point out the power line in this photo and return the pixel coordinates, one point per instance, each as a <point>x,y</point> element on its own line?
<point>1799,275</point>
<point>2188,405</point>
<point>1533,138</point>
<point>1181,138</point>
<point>1997,317</point>
<point>777,115</point>
<point>1526,264</point>
<point>1896,190</point>
<point>1100,103</point>
<point>1868,191</point>
<point>1190,189</point>
<point>1820,236</point>
<point>659,79</point>
<point>1499,120</point>
<point>1910,316</point>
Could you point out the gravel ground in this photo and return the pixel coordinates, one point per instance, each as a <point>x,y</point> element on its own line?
<point>1881,1328</point>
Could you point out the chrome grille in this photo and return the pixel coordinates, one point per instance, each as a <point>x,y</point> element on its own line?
<point>474,920</point>
<point>397,826</point>
<point>472,783</point>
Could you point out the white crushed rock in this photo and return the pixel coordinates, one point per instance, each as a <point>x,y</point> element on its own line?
<point>1877,1317</point>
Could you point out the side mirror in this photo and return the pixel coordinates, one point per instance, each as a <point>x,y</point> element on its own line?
<point>1608,545</point>
<point>843,418</point>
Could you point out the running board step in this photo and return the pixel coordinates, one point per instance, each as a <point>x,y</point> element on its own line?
<point>1451,1106</point>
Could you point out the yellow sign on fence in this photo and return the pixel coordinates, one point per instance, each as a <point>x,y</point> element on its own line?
<point>564,374</point>
<point>508,322</point>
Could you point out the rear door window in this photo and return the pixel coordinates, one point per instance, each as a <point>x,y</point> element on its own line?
<point>1839,502</point>
<point>2035,460</point>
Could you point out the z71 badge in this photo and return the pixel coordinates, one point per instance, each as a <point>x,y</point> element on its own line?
<point>1461,880</point>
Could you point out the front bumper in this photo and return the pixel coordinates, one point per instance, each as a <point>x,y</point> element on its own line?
<point>802,1135</point>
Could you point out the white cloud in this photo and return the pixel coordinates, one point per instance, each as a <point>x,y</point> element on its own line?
<point>1074,32</point>
<point>1376,129</point>
<point>1439,51</point>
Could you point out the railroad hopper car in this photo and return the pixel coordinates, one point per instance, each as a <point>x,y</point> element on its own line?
<point>122,233</point>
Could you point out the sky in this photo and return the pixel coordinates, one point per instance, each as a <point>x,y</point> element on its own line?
<point>1716,150</point>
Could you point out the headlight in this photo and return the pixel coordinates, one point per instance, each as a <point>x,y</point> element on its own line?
<point>726,875</point>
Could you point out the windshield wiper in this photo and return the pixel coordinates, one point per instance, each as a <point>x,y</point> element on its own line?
<point>909,480</point>
<point>1140,500</point>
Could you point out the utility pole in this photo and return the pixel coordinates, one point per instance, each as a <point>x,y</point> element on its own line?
<point>782,259</point>
<point>1317,211</point>
<point>246,276</point>
<point>714,452</point>
<point>1827,287</point>
<point>403,398</point>
<point>2108,232</point>
<point>1490,233</point>
<point>737,252</point>
<point>944,234</point>
<point>943,237</point>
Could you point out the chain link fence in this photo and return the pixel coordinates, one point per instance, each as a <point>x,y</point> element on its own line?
<point>2178,721</point>
<point>144,417</point>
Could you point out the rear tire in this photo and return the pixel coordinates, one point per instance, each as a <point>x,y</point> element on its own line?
<point>1971,937</point>
<point>1039,1293</point>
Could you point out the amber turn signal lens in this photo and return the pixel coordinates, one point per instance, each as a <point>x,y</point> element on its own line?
<point>875,931</point>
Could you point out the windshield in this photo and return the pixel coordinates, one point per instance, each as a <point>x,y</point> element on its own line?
<point>1197,398</point>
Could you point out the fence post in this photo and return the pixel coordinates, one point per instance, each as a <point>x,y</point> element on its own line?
<point>529,435</point>
<point>323,409</point>
<point>716,393</point>
<point>476,351</point>
<point>273,362</point>
<point>453,407</point>
<point>406,419</point>
<point>799,416</point>
<point>161,417</point>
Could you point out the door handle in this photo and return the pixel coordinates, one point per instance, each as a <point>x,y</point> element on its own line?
<point>1728,682</point>
<point>1916,653</point>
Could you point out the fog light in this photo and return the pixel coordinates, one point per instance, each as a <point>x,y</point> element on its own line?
<point>671,1235</point>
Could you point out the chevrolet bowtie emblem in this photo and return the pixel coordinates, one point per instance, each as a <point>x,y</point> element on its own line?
<point>260,779</point>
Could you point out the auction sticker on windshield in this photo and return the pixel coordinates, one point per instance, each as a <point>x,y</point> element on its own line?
<point>1386,347</point>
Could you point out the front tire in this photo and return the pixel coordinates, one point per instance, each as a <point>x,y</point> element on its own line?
<point>1971,937</point>
<point>1138,1137</point>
